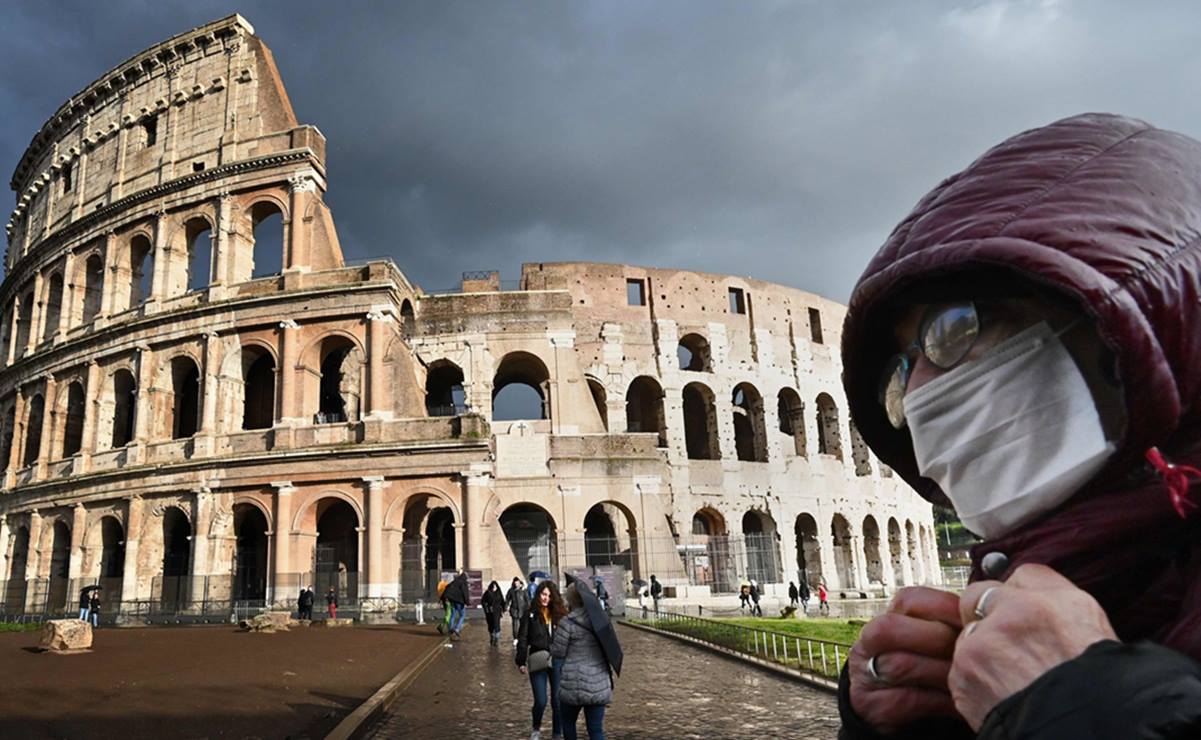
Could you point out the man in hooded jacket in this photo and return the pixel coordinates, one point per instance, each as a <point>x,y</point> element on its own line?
<point>1025,348</point>
<point>458,596</point>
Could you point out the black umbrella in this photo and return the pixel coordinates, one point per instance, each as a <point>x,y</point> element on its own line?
<point>637,582</point>
<point>601,626</point>
<point>90,589</point>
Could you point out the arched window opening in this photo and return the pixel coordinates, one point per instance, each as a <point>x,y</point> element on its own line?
<point>14,593</point>
<point>60,564</point>
<point>6,442</point>
<point>199,236</point>
<point>250,557</point>
<point>93,288</point>
<point>520,389</point>
<point>185,398</point>
<point>644,408</point>
<point>341,368</point>
<point>750,438</point>
<point>911,548</point>
<point>267,223</point>
<point>444,395</point>
<point>693,353</point>
<point>859,453</point>
<point>174,588</point>
<point>844,558</point>
<point>141,270</point>
<point>530,532</point>
<point>708,559</point>
<point>701,525</point>
<point>124,403</point>
<point>762,553</point>
<point>808,550</point>
<point>258,378</point>
<point>33,429</point>
<point>73,427</point>
<point>440,541</point>
<point>829,441</point>
<point>599,398</point>
<point>895,551</point>
<point>791,412</point>
<point>54,302</point>
<point>700,423</point>
<point>337,553</point>
<point>872,558</point>
<point>427,547</point>
<point>24,322</point>
<point>408,323</point>
<point>112,559</point>
<point>610,537</point>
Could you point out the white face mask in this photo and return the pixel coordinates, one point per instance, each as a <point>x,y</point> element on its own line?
<point>1011,435</point>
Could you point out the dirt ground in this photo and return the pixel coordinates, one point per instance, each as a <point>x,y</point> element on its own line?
<point>199,682</point>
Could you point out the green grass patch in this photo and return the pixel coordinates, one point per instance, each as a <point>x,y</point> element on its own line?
<point>814,628</point>
<point>19,626</point>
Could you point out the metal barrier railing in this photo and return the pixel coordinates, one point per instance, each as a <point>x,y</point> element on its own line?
<point>805,654</point>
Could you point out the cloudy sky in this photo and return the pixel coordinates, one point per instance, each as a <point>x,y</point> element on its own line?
<point>779,140</point>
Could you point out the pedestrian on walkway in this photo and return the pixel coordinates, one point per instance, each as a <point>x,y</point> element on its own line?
<point>805,596</point>
<point>517,600</point>
<point>656,592</point>
<point>85,603</point>
<point>331,602</point>
<point>585,683</point>
<point>533,654</point>
<point>94,608</point>
<point>823,603</point>
<point>307,597</point>
<point>744,596</point>
<point>602,594</point>
<point>793,594</point>
<point>444,623</point>
<point>457,595</point>
<point>494,607</point>
<point>755,610</point>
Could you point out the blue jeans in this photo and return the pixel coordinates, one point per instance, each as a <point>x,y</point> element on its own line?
<point>594,720</point>
<point>458,615</point>
<point>95,619</point>
<point>539,683</point>
<point>83,613</point>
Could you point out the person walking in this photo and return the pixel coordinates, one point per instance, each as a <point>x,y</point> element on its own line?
<point>517,600</point>
<point>805,596</point>
<point>331,602</point>
<point>85,603</point>
<point>602,594</point>
<point>744,596</point>
<point>585,683</point>
<point>456,594</point>
<point>94,608</point>
<point>444,623</point>
<point>494,607</point>
<point>307,597</point>
<point>755,610</point>
<point>793,594</point>
<point>656,592</point>
<point>823,599</point>
<point>534,637</point>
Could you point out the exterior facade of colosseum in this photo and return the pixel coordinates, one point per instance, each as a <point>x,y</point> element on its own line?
<point>200,401</point>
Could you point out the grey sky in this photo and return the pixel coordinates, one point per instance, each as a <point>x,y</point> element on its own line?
<point>772,139</point>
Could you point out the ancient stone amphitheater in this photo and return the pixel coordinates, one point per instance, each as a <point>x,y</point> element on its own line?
<point>203,404</point>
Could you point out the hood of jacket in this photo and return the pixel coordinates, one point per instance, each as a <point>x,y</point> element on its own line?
<point>1105,211</point>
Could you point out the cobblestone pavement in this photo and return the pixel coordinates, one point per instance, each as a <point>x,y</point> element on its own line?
<point>667,689</point>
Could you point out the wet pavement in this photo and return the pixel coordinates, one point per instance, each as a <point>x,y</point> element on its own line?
<point>668,689</point>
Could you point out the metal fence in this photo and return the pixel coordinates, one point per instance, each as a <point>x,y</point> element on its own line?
<point>807,655</point>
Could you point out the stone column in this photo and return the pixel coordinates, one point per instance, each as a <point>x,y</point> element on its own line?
<point>79,520</point>
<point>475,498</point>
<point>375,536</point>
<point>14,321</point>
<point>107,279</point>
<point>49,406</point>
<point>91,411</point>
<point>134,512</point>
<point>289,414</point>
<point>33,560</point>
<point>35,317</point>
<point>459,548</point>
<point>302,188</point>
<point>377,338</point>
<point>222,258</point>
<point>283,539</point>
<point>203,444</point>
<point>143,420</point>
<point>14,450</point>
<point>6,544</point>
<point>162,263</point>
<point>858,564</point>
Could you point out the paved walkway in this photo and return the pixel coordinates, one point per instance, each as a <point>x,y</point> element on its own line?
<point>667,689</point>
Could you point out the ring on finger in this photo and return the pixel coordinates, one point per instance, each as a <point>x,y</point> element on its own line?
<point>970,628</point>
<point>982,604</point>
<point>874,673</point>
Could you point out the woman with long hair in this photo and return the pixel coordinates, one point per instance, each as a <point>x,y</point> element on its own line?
<point>494,605</point>
<point>538,625</point>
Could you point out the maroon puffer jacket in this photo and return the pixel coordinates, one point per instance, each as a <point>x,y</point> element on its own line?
<point>1107,211</point>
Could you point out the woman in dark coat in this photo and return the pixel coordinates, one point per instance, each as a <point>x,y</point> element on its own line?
<point>1025,347</point>
<point>533,646</point>
<point>585,683</point>
<point>494,607</point>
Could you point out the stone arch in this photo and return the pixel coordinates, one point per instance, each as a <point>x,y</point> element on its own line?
<point>532,535</point>
<point>896,555</point>
<point>693,353</point>
<point>263,508</point>
<point>844,556</point>
<point>750,433</point>
<point>443,499</point>
<point>177,400</point>
<point>872,558</point>
<point>33,428</point>
<point>268,239</point>
<point>596,389</point>
<point>700,423</point>
<point>58,571</point>
<point>9,435</point>
<point>859,453</point>
<point>709,561</point>
<point>105,561</point>
<point>53,306</point>
<point>90,281</point>
<point>120,406</point>
<point>139,261</point>
<point>444,393</point>
<point>24,321</point>
<point>644,408</point>
<point>18,562</point>
<point>611,536</point>
<point>174,588</point>
<point>829,439</point>
<point>258,376</point>
<point>790,410</point>
<point>74,407</point>
<point>521,388</point>
<point>429,543</point>
<point>408,322</point>
<point>809,549</point>
<point>333,383</point>
<point>305,519</point>
<point>250,552</point>
<point>198,230</point>
<point>761,541</point>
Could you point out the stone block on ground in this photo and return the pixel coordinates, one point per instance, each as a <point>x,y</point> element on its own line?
<point>267,622</point>
<point>66,635</point>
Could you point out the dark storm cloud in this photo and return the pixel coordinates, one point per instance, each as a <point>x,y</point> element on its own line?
<point>777,140</point>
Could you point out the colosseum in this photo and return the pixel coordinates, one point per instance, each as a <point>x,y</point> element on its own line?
<point>202,403</point>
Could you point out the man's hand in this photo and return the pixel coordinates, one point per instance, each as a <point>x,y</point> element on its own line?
<point>521,668</point>
<point>1033,622</point>
<point>912,644</point>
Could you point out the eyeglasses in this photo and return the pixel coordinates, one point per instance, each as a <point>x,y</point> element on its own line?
<point>946,334</point>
